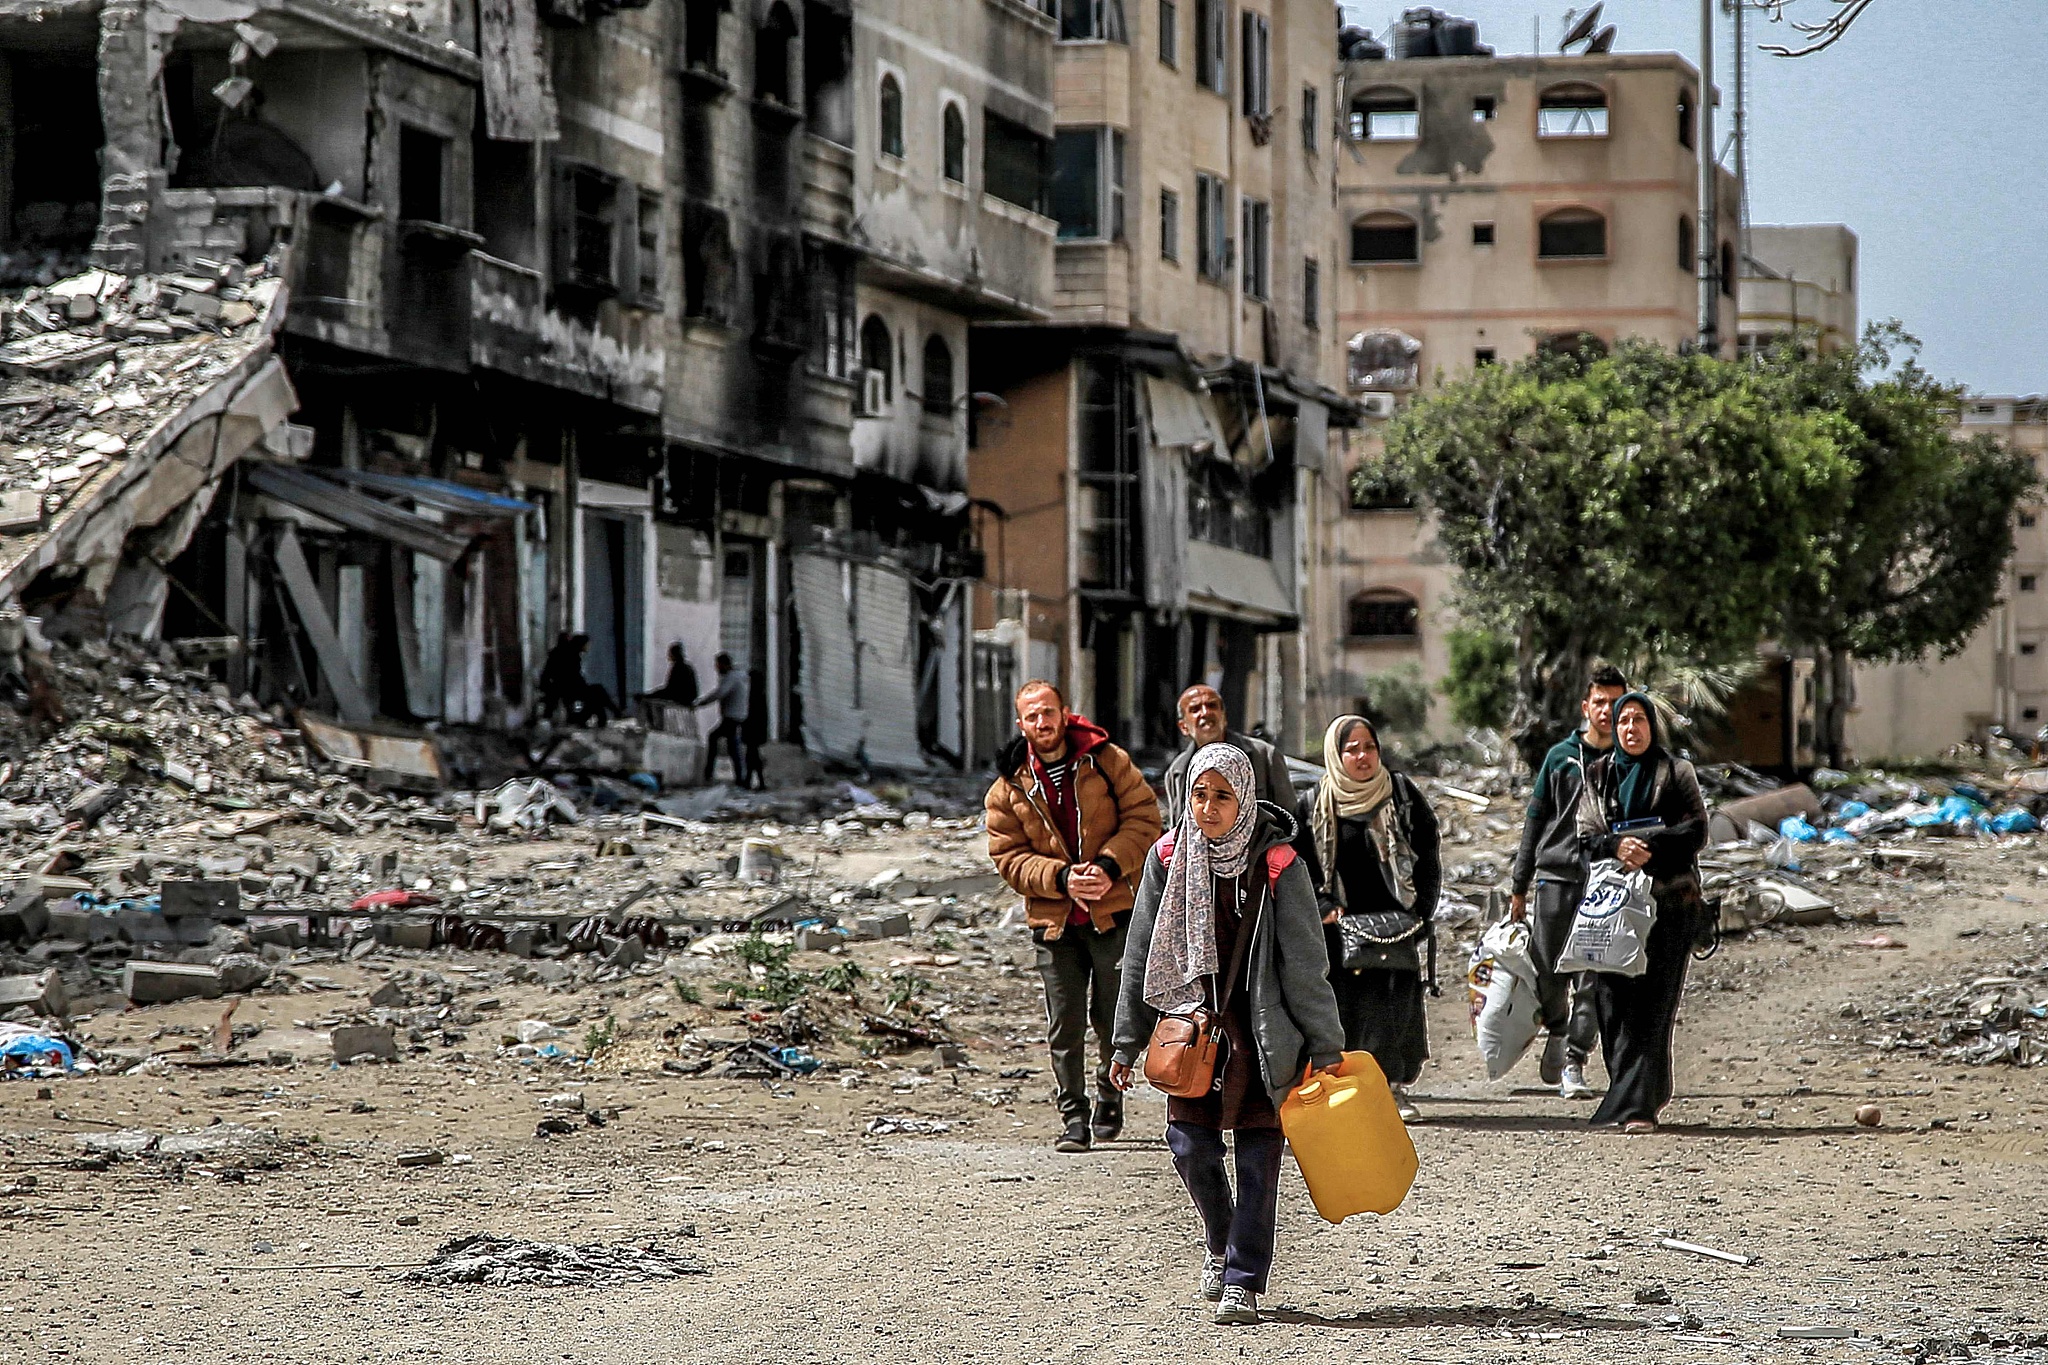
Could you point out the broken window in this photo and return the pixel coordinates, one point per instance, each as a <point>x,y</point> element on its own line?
<point>1257,247</point>
<point>1483,356</point>
<point>700,33</point>
<point>1383,614</point>
<point>1085,20</point>
<point>878,353</point>
<point>1383,359</point>
<point>1383,238</point>
<point>1485,108</point>
<point>1212,226</point>
<point>1386,115</point>
<point>828,73</point>
<point>586,245</point>
<point>1311,295</point>
<point>1212,45</point>
<point>1169,225</point>
<point>1688,245</point>
<point>708,265</point>
<point>507,213</point>
<point>938,376</point>
<point>647,239</point>
<point>1685,118</point>
<point>1088,183</point>
<point>954,137</point>
<point>49,174</point>
<point>772,46</point>
<point>1255,54</point>
<point>1015,162</point>
<point>422,164</point>
<point>1572,111</point>
<point>889,116</point>
<point>1571,234</point>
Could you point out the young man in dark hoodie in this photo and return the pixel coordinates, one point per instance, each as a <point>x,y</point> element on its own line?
<point>1550,856</point>
<point>1070,820</point>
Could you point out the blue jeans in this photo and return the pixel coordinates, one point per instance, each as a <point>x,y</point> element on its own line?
<point>1239,1229</point>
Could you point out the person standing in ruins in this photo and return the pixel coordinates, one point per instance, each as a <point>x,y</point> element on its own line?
<point>1205,720</point>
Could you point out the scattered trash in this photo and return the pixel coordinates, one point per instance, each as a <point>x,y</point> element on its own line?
<point>904,1126</point>
<point>1695,1249</point>
<point>481,1258</point>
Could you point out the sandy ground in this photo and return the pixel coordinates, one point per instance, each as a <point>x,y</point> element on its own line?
<point>1526,1237</point>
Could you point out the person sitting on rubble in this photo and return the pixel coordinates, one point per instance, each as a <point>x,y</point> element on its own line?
<point>563,686</point>
<point>1642,807</point>
<point>1224,880</point>
<point>1204,720</point>
<point>1069,819</point>
<point>735,704</point>
<point>1549,857</point>
<point>680,690</point>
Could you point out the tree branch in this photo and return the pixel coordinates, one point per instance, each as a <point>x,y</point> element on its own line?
<point>1822,35</point>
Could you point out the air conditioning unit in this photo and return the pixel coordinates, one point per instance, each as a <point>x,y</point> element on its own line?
<point>874,393</point>
<point>1377,404</point>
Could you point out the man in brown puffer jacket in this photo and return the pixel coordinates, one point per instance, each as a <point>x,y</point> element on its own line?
<point>1070,819</point>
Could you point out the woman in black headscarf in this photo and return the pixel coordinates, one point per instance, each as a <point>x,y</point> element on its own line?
<point>1642,807</point>
<point>1371,845</point>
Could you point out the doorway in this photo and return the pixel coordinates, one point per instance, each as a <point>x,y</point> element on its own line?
<point>613,604</point>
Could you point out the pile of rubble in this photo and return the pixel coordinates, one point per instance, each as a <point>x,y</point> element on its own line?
<point>92,363</point>
<point>483,1259</point>
<point>2000,1018</point>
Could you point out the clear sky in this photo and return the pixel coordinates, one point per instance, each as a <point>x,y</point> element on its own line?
<point>1925,130</point>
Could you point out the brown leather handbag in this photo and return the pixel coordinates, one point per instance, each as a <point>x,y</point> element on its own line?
<point>1188,1052</point>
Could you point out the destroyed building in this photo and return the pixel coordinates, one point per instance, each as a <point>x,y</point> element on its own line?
<point>396,341</point>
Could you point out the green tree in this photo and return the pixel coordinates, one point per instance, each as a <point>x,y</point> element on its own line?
<point>1619,505</point>
<point>1912,566</point>
<point>1480,678</point>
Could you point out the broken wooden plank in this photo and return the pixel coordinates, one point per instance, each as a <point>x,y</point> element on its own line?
<point>349,697</point>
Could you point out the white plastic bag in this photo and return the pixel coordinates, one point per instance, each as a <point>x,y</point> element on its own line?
<point>1611,932</point>
<point>1502,977</point>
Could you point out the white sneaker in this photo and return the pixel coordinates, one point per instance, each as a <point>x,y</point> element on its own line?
<point>1239,1307</point>
<point>1573,1086</point>
<point>1212,1278</point>
<point>1405,1107</point>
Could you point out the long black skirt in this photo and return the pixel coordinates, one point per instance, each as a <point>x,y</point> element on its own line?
<point>1382,1014</point>
<point>1637,1014</point>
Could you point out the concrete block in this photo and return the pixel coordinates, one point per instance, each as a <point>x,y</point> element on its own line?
<point>214,899</point>
<point>157,983</point>
<point>24,918</point>
<point>811,939</point>
<point>678,760</point>
<point>68,921</point>
<point>140,926</point>
<point>886,924</point>
<point>621,952</point>
<point>355,1042</point>
<point>43,992</point>
<point>417,934</point>
<point>520,940</point>
<point>285,933</point>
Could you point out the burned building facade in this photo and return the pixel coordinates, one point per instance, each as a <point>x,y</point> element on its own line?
<point>561,313</point>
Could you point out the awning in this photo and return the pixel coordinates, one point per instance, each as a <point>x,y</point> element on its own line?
<point>1180,417</point>
<point>324,497</point>
<point>436,493</point>
<point>1235,582</point>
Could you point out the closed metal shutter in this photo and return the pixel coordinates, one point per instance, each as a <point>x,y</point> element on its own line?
<point>858,679</point>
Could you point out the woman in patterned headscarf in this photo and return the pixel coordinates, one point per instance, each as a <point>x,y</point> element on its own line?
<point>1227,872</point>
<point>1371,844</point>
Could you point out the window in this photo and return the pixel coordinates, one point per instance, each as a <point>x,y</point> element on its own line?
<point>1311,118</point>
<point>1212,44</point>
<point>1088,183</point>
<point>1482,234</point>
<point>1257,240</point>
<point>1571,234</point>
<point>1572,111</point>
<point>1688,244</point>
<point>771,56</point>
<point>2030,713</point>
<point>1383,614</point>
<point>833,347</point>
<point>955,138</point>
<point>1584,346</point>
<point>1223,510</point>
<point>1728,270</point>
<point>1386,115</point>
<point>1484,108</point>
<point>708,265</point>
<point>1385,237</point>
<point>422,158</point>
<point>2027,581</point>
<point>1169,32</point>
<point>1015,162</point>
<point>1685,118</point>
<point>1312,295</point>
<point>889,116</point>
<point>2030,648</point>
<point>878,353</point>
<point>1255,55</point>
<point>1483,356</point>
<point>1083,20</point>
<point>1377,488</point>
<point>2028,519</point>
<point>1212,226</point>
<point>1169,225</point>
<point>587,233</point>
<point>938,376</point>
<point>700,34</point>
<point>647,250</point>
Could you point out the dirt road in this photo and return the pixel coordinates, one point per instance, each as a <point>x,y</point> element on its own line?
<point>1526,1237</point>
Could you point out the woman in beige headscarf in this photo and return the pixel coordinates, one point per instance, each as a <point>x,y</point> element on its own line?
<point>1370,842</point>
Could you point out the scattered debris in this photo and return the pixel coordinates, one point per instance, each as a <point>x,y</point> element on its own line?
<point>1695,1249</point>
<point>905,1126</point>
<point>481,1258</point>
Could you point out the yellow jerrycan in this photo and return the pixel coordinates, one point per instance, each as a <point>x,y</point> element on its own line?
<point>1349,1140</point>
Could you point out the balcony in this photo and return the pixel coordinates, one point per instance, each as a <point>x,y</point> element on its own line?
<point>827,205</point>
<point>1092,283</point>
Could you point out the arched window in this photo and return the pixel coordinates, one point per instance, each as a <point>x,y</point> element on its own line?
<point>955,144</point>
<point>1688,245</point>
<point>1386,114</point>
<point>772,47</point>
<point>1728,269</point>
<point>1383,614</point>
<point>1572,111</point>
<point>889,116</point>
<point>938,376</point>
<point>1385,237</point>
<point>1571,235</point>
<point>878,353</point>
<point>1685,119</point>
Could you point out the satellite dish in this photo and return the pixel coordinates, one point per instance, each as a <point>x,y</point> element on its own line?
<point>1603,41</point>
<point>1583,29</point>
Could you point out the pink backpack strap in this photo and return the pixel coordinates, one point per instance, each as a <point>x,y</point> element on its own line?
<point>1164,848</point>
<point>1278,859</point>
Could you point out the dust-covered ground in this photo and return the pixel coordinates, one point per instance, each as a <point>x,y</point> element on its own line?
<point>274,1219</point>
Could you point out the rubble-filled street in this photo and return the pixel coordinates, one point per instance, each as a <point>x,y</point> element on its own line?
<point>301,1066</point>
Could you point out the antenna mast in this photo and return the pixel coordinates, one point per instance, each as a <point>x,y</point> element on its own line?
<point>1710,319</point>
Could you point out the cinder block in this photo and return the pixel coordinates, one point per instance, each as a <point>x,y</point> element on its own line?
<point>406,933</point>
<point>157,983</point>
<point>214,899</point>
<point>43,992</point>
<point>24,918</point>
<point>355,1042</point>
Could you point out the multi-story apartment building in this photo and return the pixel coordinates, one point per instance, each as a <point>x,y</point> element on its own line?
<point>1138,464</point>
<point>1490,205</point>
<point>1798,281</point>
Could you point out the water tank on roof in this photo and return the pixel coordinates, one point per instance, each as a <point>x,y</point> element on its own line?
<point>1415,35</point>
<point>1356,44</point>
<point>1457,38</point>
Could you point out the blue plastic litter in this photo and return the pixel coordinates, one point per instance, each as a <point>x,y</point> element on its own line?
<point>797,1060</point>
<point>646,782</point>
<point>1794,827</point>
<point>2015,820</point>
<point>1970,793</point>
<point>32,1048</point>
<point>1850,811</point>
<point>1837,836</point>
<point>1958,810</point>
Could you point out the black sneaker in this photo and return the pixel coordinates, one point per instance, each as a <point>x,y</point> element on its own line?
<point>1109,1119</point>
<point>1075,1139</point>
